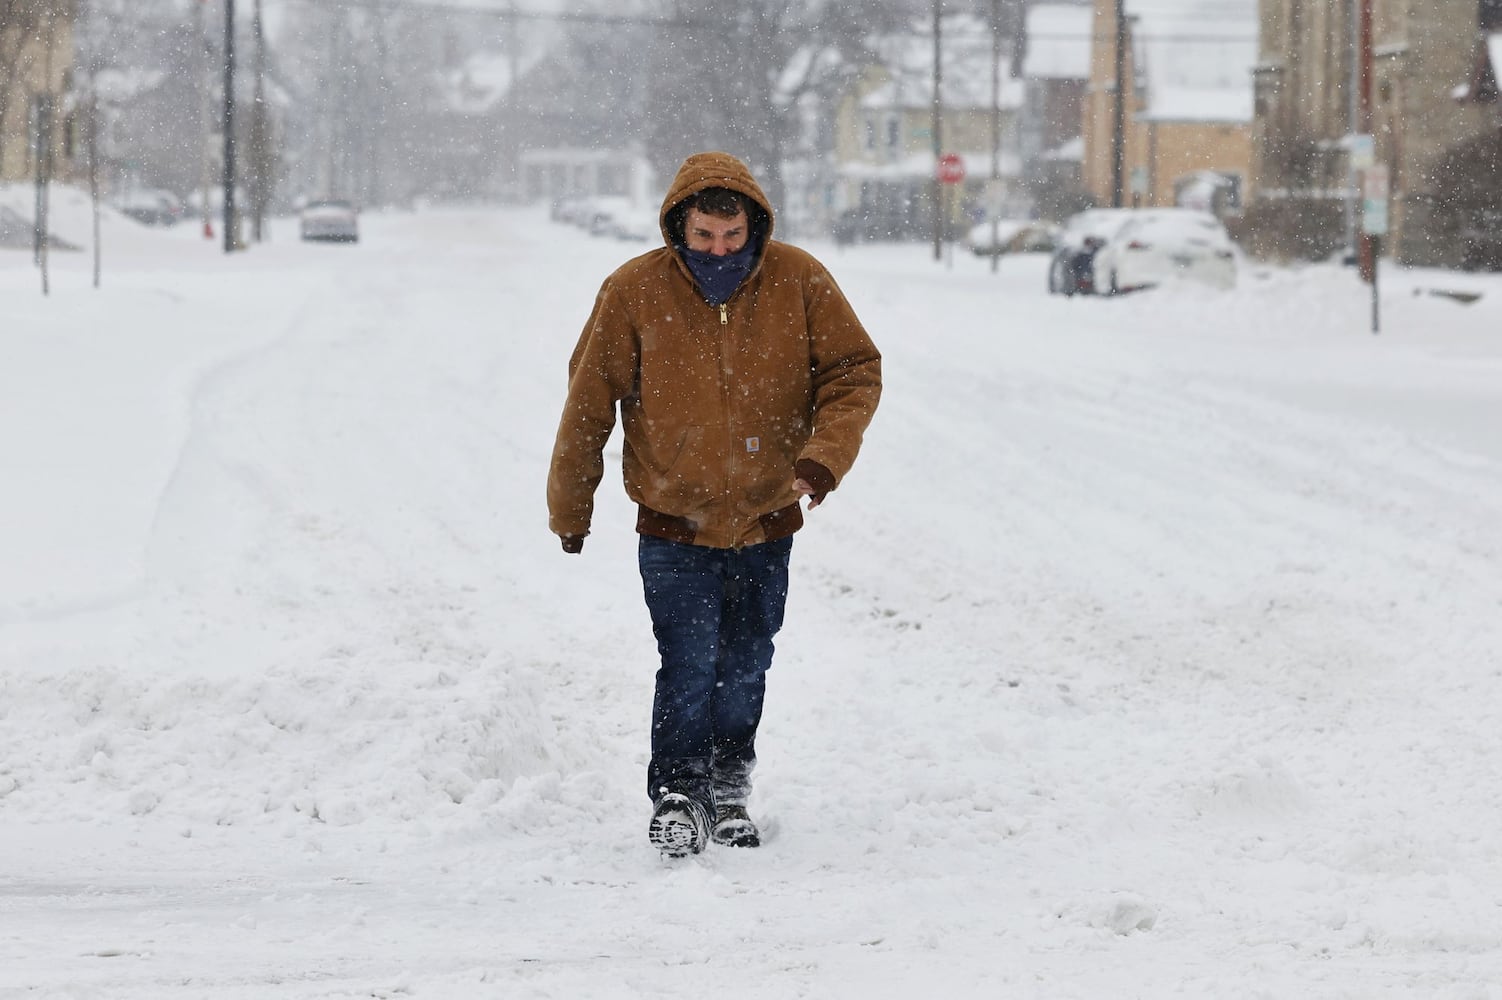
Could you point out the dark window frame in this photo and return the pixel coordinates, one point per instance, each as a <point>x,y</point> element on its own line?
<point>1489,15</point>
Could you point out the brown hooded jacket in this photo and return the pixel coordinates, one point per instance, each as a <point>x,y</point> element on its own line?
<point>717,403</point>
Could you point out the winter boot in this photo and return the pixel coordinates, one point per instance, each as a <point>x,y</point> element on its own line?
<point>733,828</point>
<point>679,827</point>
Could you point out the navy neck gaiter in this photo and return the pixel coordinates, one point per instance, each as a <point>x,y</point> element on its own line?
<point>719,277</point>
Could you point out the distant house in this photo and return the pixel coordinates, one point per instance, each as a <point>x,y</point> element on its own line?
<point>464,144</point>
<point>883,143</point>
<point>552,174</point>
<point>1056,73</point>
<point>1186,81</point>
<point>1435,122</point>
<point>36,56</point>
<point>154,132</point>
<point>530,142</point>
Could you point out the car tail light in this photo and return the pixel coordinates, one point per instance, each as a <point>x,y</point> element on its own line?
<point>1139,245</point>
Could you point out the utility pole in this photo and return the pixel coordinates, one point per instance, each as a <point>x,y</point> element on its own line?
<point>934,125</point>
<point>92,138</point>
<point>206,117</point>
<point>511,140</point>
<point>44,110</point>
<point>230,228</point>
<point>260,134</point>
<point>1367,246</point>
<point>1118,107</point>
<point>1353,119</point>
<point>41,106</point>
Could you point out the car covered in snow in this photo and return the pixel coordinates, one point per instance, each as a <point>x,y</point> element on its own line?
<point>1003,236</point>
<point>151,206</point>
<point>1153,246</point>
<point>332,220</point>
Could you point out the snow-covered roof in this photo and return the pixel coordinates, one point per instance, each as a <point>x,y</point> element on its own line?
<point>807,62</point>
<point>1199,104</point>
<point>481,82</point>
<point>1072,151</point>
<point>1058,42</point>
<point>115,86</point>
<point>1196,57</point>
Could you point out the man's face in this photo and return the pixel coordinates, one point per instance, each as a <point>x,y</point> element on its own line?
<point>711,234</point>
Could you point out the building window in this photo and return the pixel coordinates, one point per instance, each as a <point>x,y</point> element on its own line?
<point>1491,15</point>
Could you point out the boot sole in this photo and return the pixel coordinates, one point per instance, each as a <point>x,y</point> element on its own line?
<point>674,832</point>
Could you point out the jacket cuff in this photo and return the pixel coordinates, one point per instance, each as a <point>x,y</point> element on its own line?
<point>815,475</point>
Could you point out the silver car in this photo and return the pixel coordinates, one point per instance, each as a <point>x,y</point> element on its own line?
<point>333,220</point>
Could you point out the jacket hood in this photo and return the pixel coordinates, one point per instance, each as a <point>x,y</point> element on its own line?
<point>707,170</point>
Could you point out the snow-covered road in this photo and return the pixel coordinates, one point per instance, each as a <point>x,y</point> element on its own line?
<point>1153,647</point>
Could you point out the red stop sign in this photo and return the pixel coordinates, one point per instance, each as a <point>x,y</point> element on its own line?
<point>951,169</point>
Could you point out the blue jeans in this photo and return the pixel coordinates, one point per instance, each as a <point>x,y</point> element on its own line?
<point>714,613</point>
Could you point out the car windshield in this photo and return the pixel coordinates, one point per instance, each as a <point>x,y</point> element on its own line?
<point>341,205</point>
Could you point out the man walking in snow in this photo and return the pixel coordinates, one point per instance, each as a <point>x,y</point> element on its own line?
<point>744,381</point>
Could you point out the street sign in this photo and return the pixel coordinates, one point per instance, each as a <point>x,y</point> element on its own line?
<point>1363,151</point>
<point>1374,192</point>
<point>996,197</point>
<point>951,169</point>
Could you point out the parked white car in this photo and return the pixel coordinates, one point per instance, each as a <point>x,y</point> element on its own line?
<point>1156,245</point>
<point>333,220</point>
<point>642,225</point>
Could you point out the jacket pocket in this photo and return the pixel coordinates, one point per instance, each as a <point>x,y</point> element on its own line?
<point>690,481</point>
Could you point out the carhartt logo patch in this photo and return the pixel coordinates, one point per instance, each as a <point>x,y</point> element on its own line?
<point>753,444</point>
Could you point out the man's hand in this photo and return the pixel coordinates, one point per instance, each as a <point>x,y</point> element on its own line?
<point>572,544</point>
<point>814,481</point>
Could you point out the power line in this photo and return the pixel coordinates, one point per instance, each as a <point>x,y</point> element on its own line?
<point>1154,36</point>
<point>517,14</point>
<point>503,13</point>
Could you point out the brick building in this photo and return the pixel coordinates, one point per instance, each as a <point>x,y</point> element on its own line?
<point>1187,107</point>
<point>36,56</point>
<point>1434,119</point>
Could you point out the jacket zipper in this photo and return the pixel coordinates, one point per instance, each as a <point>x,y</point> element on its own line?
<point>733,461</point>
